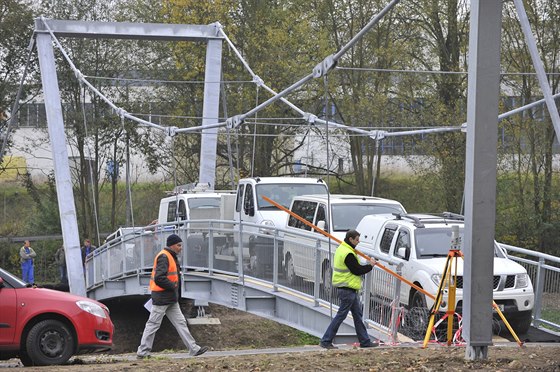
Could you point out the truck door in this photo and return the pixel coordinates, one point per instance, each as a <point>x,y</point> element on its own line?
<point>387,285</point>
<point>244,212</point>
<point>401,252</point>
<point>301,248</point>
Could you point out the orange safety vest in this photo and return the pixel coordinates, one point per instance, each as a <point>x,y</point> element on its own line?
<point>172,274</point>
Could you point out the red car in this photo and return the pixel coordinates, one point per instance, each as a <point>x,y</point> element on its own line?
<point>44,327</point>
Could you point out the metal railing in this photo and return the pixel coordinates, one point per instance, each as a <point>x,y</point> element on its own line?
<point>544,271</point>
<point>298,261</point>
<point>301,263</point>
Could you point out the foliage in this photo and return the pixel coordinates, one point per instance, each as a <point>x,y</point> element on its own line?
<point>527,156</point>
<point>46,219</point>
<point>273,38</point>
<point>16,28</point>
<point>45,268</point>
<point>282,42</point>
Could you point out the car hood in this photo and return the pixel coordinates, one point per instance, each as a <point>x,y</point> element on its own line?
<point>45,294</point>
<point>502,266</point>
<point>276,216</point>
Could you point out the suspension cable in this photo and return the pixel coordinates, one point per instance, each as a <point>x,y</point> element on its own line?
<point>164,81</point>
<point>254,134</point>
<point>129,207</point>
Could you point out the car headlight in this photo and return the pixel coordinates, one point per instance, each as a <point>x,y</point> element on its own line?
<point>521,281</point>
<point>92,308</point>
<point>436,278</point>
<point>268,226</point>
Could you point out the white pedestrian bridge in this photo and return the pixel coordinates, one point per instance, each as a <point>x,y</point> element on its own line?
<point>224,265</point>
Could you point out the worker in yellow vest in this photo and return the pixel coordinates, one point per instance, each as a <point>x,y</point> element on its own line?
<point>347,278</point>
<point>165,285</point>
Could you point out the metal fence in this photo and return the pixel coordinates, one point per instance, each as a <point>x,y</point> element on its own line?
<point>299,262</point>
<point>544,271</point>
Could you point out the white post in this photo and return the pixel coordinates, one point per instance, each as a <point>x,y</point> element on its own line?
<point>64,190</point>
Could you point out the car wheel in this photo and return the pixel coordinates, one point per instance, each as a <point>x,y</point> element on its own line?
<point>25,359</point>
<point>522,323</point>
<point>418,300</point>
<point>49,342</point>
<point>417,317</point>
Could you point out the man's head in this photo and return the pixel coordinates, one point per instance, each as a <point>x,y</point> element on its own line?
<point>352,238</point>
<point>87,242</point>
<point>26,243</point>
<point>175,243</point>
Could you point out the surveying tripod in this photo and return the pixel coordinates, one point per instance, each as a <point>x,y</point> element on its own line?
<point>449,281</point>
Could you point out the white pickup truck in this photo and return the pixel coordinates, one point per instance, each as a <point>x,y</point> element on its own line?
<point>422,242</point>
<point>300,239</point>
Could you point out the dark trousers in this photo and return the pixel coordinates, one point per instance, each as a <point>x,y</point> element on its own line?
<point>349,302</point>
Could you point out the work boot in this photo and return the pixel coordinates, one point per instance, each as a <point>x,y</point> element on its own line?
<point>371,344</point>
<point>201,351</point>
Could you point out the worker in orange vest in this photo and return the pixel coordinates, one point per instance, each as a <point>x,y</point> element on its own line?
<point>165,285</point>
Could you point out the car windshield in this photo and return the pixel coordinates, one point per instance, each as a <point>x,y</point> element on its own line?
<point>347,216</point>
<point>285,192</point>
<point>5,274</point>
<point>436,242</point>
<point>204,203</point>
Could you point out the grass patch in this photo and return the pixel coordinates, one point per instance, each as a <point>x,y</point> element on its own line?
<point>552,316</point>
<point>307,339</point>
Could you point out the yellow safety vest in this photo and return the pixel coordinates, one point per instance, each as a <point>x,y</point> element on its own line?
<point>342,276</point>
<point>172,274</point>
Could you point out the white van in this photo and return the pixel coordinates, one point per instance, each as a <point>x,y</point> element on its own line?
<point>251,208</point>
<point>421,243</point>
<point>346,213</point>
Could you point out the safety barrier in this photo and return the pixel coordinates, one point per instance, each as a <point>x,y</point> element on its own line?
<point>544,271</point>
<point>300,264</point>
<point>296,261</point>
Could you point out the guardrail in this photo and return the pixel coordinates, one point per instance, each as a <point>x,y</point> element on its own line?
<point>544,271</point>
<point>298,261</point>
<point>302,264</point>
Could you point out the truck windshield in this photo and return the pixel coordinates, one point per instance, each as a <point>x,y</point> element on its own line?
<point>348,216</point>
<point>204,203</point>
<point>436,242</point>
<point>285,192</point>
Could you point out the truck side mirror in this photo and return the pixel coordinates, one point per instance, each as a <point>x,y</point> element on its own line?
<point>402,253</point>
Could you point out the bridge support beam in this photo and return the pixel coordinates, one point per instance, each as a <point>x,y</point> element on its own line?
<point>64,189</point>
<point>480,178</point>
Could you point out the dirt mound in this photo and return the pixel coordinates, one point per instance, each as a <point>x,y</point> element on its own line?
<point>238,330</point>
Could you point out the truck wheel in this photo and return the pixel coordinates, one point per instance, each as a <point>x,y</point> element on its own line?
<point>522,323</point>
<point>49,342</point>
<point>417,317</point>
<point>418,300</point>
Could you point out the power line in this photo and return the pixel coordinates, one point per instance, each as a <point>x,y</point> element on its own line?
<point>160,81</point>
<point>371,69</point>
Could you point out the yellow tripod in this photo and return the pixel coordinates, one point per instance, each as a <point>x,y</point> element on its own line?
<point>449,281</point>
